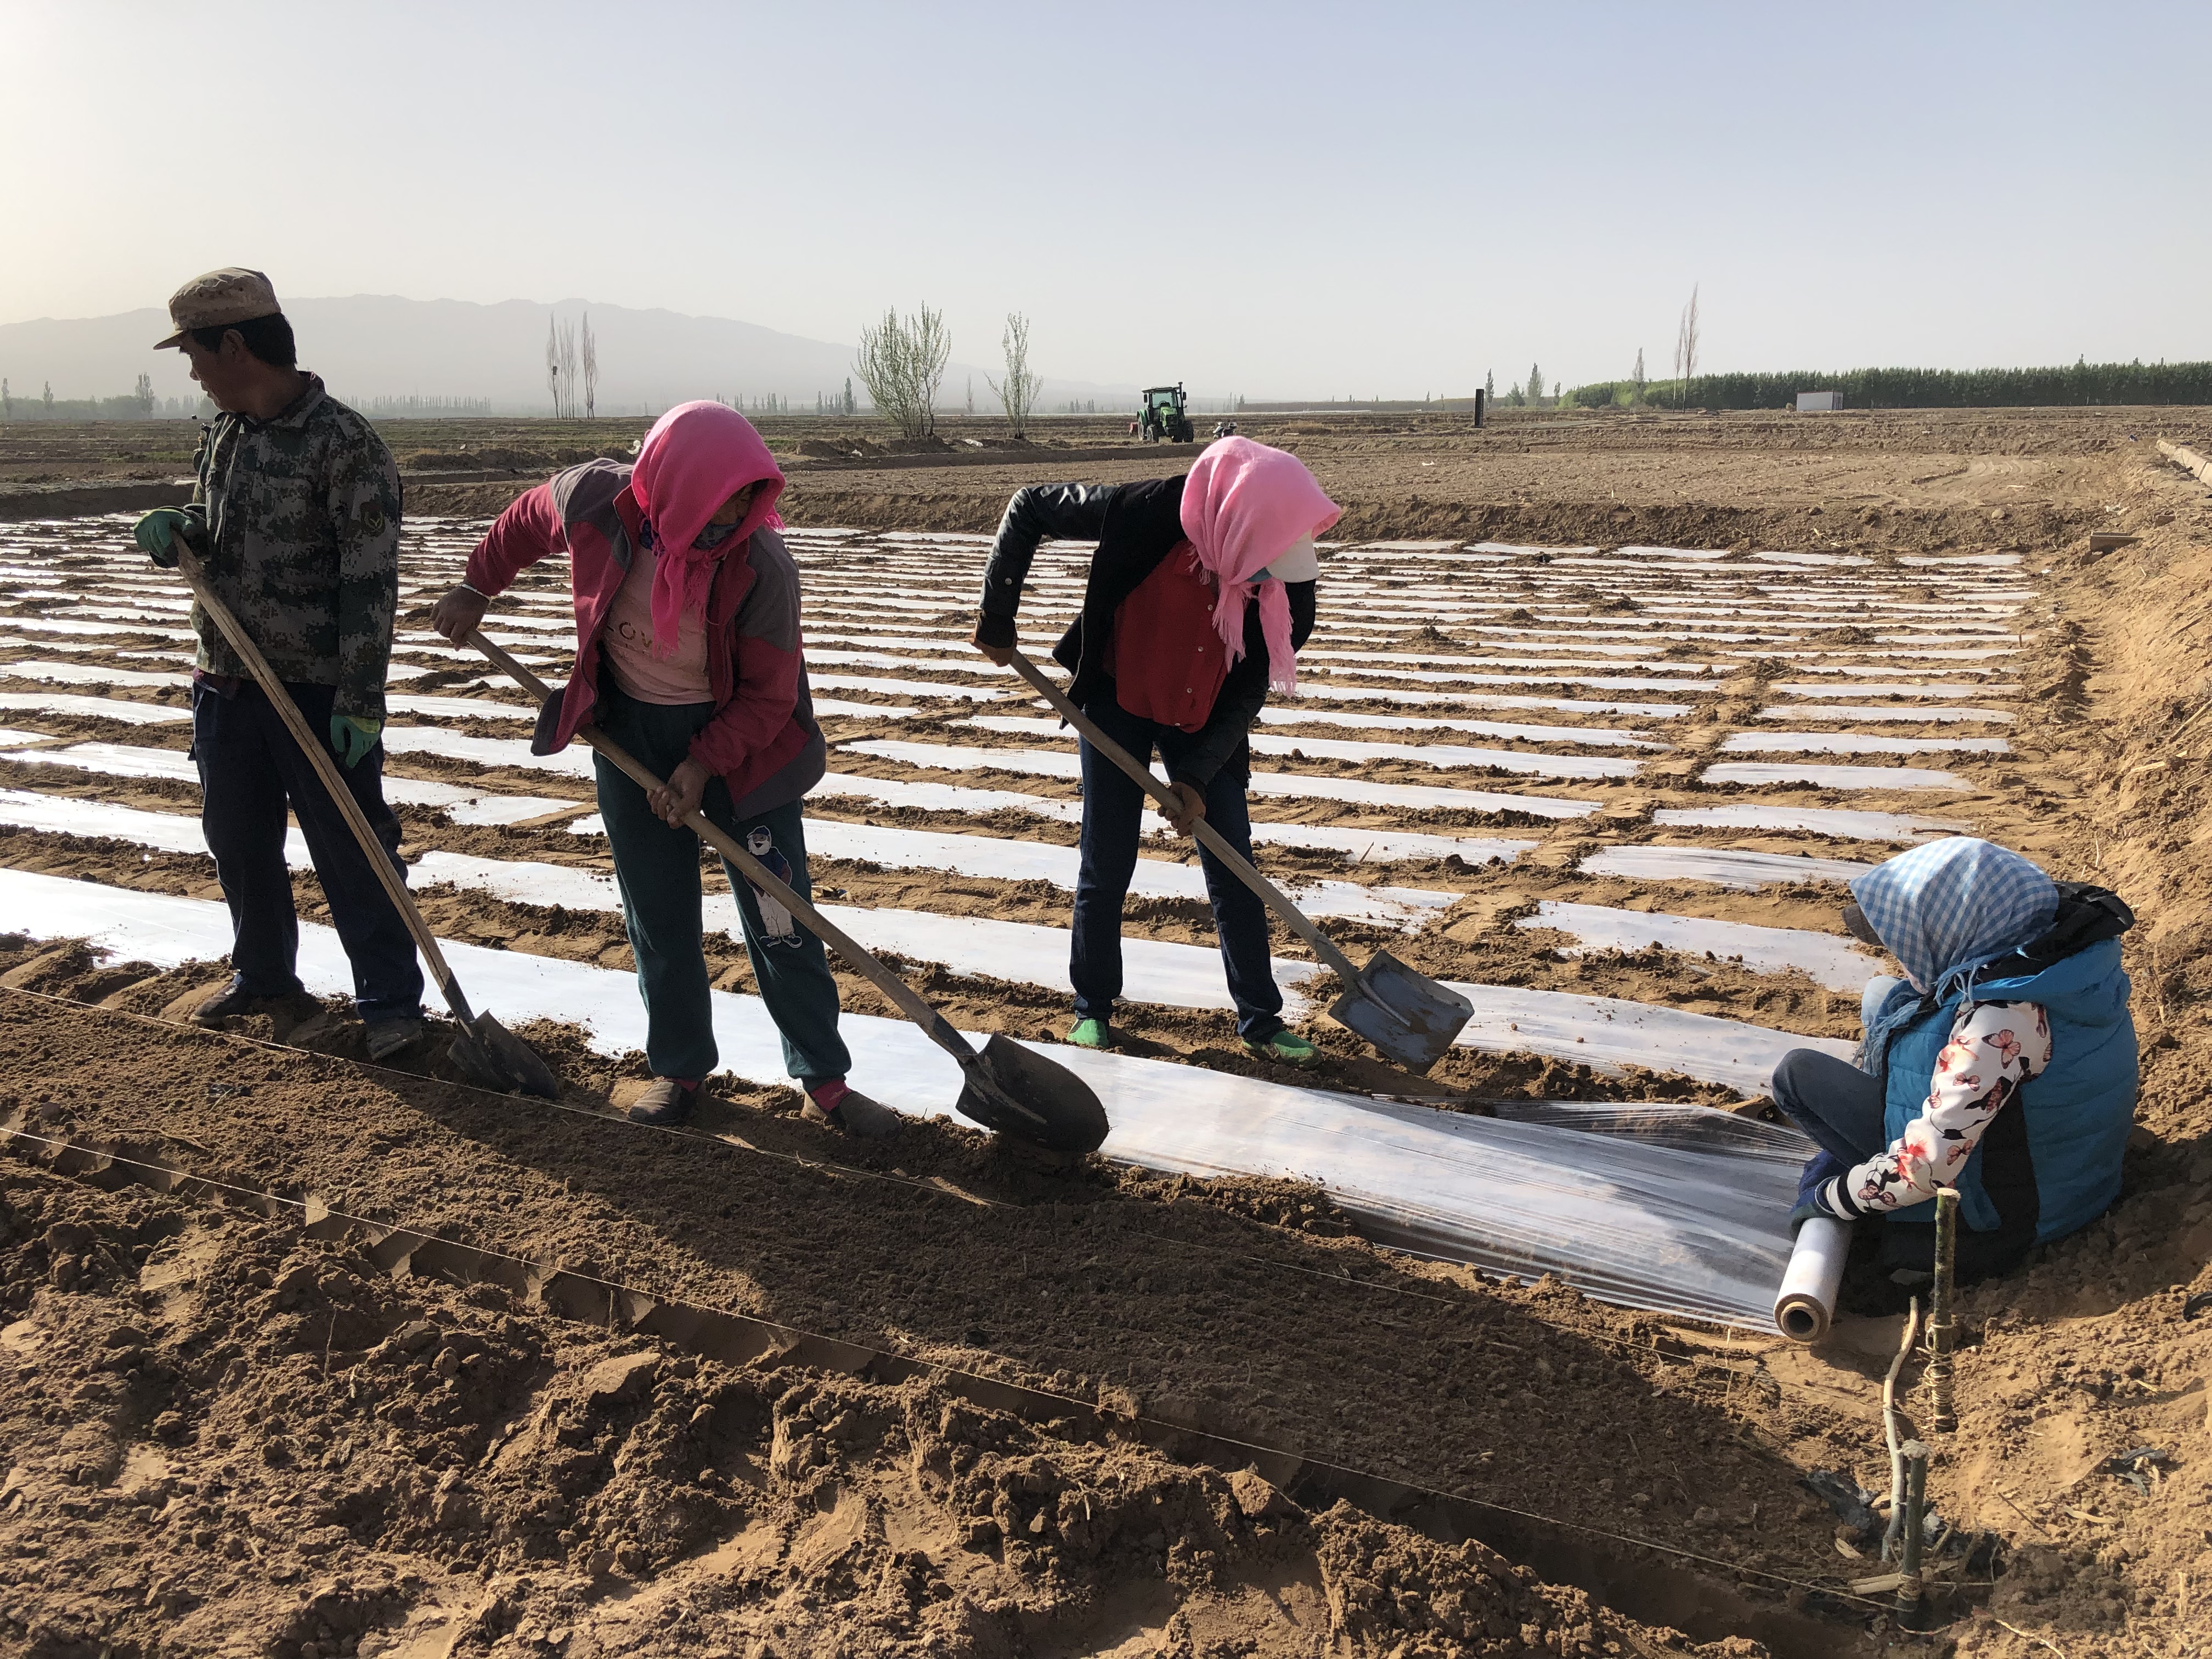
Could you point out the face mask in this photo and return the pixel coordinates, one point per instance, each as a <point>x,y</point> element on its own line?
<point>713,537</point>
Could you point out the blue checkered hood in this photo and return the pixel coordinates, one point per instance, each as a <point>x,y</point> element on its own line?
<point>1949,906</point>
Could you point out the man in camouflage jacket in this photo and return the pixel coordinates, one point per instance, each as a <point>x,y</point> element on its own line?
<point>295,517</point>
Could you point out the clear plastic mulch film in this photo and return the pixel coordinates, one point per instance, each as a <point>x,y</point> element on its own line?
<point>1673,1209</point>
<point>1681,1210</point>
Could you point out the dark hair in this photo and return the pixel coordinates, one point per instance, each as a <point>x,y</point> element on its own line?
<point>268,338</point>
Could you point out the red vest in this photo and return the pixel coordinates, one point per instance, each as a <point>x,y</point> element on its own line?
<point>1168,660</point>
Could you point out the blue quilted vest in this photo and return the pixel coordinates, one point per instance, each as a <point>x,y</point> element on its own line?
<point>2077,1113</point>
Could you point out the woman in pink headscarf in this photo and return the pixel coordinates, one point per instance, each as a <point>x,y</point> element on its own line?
<point>1199,597</point>
<point>688,655</point>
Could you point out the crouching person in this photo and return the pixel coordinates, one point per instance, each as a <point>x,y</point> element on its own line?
<point>2003,1064</point>
<point>1198,599</point>
<point>688,657</point>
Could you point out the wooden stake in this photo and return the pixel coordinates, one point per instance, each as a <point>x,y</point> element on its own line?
<point>1943,1322</point>
<point>1909,1588</point>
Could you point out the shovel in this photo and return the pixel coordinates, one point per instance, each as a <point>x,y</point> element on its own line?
<point>1407,1015</point>
<point>1007,1088</point>
<point>485,1051</point>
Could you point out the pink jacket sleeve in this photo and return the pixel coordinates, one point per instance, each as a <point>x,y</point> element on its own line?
<point>527,531</point>
<point>765,663</point>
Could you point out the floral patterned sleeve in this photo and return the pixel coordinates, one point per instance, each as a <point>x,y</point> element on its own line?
<point>1995,1047</point>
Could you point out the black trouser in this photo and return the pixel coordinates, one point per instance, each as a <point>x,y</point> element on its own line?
<point>251,767</point>
<point>1113,824</point>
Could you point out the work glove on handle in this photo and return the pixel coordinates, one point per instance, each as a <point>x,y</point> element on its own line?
<point>157,534</point>
<point>353,736</point>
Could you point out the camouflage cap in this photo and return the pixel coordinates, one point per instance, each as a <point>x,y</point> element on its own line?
<point>218,299</point>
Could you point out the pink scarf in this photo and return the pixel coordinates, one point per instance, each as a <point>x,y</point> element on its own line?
<point>695,458</point>
<point>1243,505</point>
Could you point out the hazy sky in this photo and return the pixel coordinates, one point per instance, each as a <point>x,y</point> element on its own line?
<point>1270,199</point>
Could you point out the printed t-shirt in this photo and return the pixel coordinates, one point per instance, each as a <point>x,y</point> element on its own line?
<point>628,637</point>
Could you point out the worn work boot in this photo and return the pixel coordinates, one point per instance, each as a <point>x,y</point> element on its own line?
<point>1090,1031</point>
<point>1285,1047</point>
<point>386,1038</point>
<point>235,998</point>
<point>667,1103</point>
<point>840,1107</point>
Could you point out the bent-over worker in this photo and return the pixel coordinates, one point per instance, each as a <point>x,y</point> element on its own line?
<point>295,518</point>
<point>2003,1064</point>
<point>1199,597</point>
<point>688,655</point>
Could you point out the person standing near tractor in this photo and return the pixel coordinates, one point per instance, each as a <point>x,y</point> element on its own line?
<point>1198,599</point>
<point>295,518</point>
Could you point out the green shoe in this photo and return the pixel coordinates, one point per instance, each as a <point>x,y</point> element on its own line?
<point>1286,1048</point>
<point>1091,1032</point>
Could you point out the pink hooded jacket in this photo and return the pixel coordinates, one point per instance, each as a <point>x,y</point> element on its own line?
<point>763,740</point>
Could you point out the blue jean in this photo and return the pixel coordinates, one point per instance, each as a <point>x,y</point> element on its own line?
<point>1113,815</point>
<point>657,868</point>
<point>251,767</point>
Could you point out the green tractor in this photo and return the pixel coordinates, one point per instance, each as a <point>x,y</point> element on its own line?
<point>1161,419</point>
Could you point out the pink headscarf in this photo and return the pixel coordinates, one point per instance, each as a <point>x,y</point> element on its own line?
<point>1244,505</point>
<point>695,458</point>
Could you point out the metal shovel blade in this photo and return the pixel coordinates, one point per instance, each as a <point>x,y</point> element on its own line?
<point>1020,1094</point>
<point>1407,1015</point>
<point>492,1057</point>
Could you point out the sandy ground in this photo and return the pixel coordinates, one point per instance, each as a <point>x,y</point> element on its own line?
<point>255,1424</point>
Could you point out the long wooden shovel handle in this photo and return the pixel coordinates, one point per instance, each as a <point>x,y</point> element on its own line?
<point>1143,776</point>
<point>934,1025</point>
<point>318,756</point>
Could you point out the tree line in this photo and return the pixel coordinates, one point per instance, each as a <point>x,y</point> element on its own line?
<point>139,404</point>
<point>2083,383</point>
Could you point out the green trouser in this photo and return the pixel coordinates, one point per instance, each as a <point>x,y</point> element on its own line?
<point>657,868</point>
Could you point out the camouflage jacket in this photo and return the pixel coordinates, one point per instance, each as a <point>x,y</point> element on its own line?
<point>301,519</point>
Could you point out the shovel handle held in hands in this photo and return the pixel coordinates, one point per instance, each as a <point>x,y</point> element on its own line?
<point>1142,777</point>
<point>333,785</point>
<point>938,1028</point>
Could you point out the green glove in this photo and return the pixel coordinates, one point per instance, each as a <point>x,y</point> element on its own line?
<point>354,736</point>
<point>157,531</point>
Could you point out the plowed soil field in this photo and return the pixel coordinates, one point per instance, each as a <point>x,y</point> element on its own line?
<point>304,1357</point>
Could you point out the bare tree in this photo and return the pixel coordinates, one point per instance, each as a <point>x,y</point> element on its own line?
<point>902,361</point>
<point>553,365</point>
<point>933,348</point>
<point>1017,393</point>
<point>1638,376</point>
<point>591,369</point>
<point>568,368</point>
<point>1686,346</point>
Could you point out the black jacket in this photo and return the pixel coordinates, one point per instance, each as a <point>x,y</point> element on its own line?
<point>1135,525</point>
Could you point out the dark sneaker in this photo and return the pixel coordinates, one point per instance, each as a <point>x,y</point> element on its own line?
<point>1286,1048</point>
<point>855,1114</point>
<point>236,998</point>
<point>668,1102</point>
<point>386,1038</point>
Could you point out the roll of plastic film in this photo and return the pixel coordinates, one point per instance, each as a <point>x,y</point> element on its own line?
<point>1805,1302</point>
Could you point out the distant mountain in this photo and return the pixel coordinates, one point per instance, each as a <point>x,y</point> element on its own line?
<point>373,345</point>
